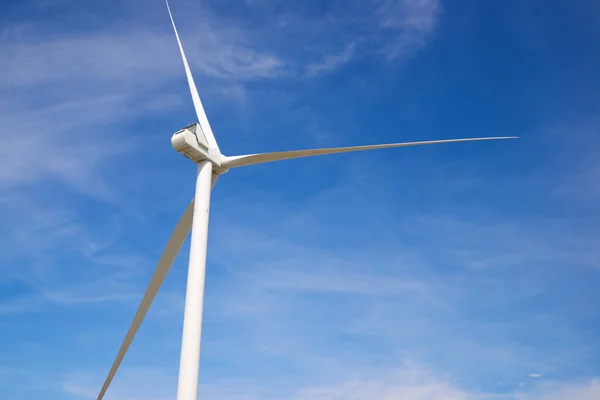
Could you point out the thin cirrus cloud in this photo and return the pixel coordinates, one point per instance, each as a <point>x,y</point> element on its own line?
<point>139,55</point>
<point>409,383</point>
<point>411,23</point>
<point>106,76</point>
<point>89,82</point>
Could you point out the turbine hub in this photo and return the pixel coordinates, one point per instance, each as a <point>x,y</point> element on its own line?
<point>192,143</point>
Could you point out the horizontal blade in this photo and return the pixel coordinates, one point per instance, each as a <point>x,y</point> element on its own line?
<point>164,264</point>
<point>200,113</point>
<point>250,159</point>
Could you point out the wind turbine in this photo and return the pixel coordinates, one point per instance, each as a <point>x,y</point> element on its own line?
<point>197,142</point>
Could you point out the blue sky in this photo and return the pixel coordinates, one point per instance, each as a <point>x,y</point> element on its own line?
<point>453,272</point>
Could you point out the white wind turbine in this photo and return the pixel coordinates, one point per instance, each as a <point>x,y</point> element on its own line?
<point>198,143</point>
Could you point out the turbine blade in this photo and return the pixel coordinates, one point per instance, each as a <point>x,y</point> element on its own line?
<point>200,113</point>
<point>260,158</point>
<point>164,264</point>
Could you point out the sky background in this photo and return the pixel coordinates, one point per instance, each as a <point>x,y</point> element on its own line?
<point>452,272</point>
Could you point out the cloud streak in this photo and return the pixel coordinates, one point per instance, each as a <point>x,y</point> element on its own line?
<point>410,22</point>
<point>408,383</point>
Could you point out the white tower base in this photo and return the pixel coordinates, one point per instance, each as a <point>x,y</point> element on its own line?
<point>189,364</point>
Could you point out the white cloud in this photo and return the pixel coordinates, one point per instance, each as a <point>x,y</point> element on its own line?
<point>58,141</point>
<point>58,86</point>
<point>564,391</point>
<point>440,289</point>
<point>56,259</point>
<point>410,22</point>
<point>131,57</point>
<point>63,95</point>
<point>410,382</point>
<point>392,29</point>
<point>331,62</point>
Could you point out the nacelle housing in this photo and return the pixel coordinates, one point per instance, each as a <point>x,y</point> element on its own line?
<point>191,142</point>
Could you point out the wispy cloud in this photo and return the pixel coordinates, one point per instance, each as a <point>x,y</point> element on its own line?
<point>134,57</point>
<point>410,23</point>
<point>59,260</point>
<point>589,390</point>
<point>106,76</point>
<point>331,62</point>
<point>411,382</point>
<point>55,146</point>
<point>433,283</point>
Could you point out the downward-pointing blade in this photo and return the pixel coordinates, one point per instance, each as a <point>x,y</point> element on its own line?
<point>260,158</point>
<point>200,113</point>
<point>164,264</point>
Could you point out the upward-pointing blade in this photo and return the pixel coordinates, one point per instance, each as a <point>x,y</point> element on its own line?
<point>164,264</point>
<point>202,119</point>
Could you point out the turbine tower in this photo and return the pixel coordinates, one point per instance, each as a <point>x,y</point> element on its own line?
<point>197,142</point>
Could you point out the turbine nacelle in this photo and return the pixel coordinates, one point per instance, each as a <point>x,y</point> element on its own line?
<point>192,143</point>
